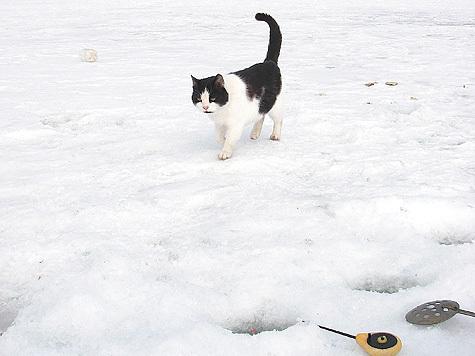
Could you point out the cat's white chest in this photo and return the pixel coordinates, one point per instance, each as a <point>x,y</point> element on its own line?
<point>240,109</point>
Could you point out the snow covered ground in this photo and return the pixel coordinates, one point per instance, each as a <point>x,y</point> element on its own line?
<point>122,234</point>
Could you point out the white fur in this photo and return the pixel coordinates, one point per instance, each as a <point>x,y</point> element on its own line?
<point>239,111</point>
<point>206,105</point>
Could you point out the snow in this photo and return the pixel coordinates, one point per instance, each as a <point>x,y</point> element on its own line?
<point>122,233</point>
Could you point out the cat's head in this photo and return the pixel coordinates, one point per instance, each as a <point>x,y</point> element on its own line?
<point>209,94</point>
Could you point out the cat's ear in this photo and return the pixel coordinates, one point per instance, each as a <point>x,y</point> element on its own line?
<point>219,81</point>
<point>195,81</point>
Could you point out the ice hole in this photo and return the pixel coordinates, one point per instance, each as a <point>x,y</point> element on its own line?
<point>385,284</point>
<point>256,326</point>
<point>8,314</point>
<point>265,319</point>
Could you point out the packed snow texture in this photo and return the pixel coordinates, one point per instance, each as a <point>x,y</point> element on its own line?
<point>122,234</point>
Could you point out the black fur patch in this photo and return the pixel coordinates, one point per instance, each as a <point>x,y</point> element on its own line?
<point>264,82</point>
<point>215,88</point>
<point>275,38</point>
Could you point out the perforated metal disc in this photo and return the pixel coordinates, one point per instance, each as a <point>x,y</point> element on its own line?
<point>433,312</point>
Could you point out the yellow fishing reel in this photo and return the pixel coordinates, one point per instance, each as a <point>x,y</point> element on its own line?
<point>374,344</point>
<point>379,344</point>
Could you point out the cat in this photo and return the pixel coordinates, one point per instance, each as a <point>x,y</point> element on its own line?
<point>244,97</point>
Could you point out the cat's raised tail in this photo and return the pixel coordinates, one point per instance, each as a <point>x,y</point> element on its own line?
<point>275,37</point>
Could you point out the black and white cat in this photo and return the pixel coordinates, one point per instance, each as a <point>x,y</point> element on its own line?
<point>244,97</point>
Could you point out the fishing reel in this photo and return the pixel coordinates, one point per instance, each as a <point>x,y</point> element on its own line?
<point>379,344</point>
<point>374,344</point>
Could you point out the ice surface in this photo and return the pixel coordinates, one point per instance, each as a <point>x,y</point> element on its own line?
<point>122,234</point>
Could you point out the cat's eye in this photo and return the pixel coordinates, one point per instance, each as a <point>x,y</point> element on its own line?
<point>198,99</point>
<point>212,99</point>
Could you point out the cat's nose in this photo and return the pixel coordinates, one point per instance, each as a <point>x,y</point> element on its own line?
<point>205,107</point>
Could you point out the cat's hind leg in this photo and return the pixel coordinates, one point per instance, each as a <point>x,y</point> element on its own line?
<point>276,114</point>
<point>256,130</point>
<point>276,132</point>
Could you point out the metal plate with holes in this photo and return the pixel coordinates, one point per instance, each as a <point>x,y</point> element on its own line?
<point>433,312</point>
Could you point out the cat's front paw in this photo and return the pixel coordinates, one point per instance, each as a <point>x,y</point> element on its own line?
<point>223,155</point>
